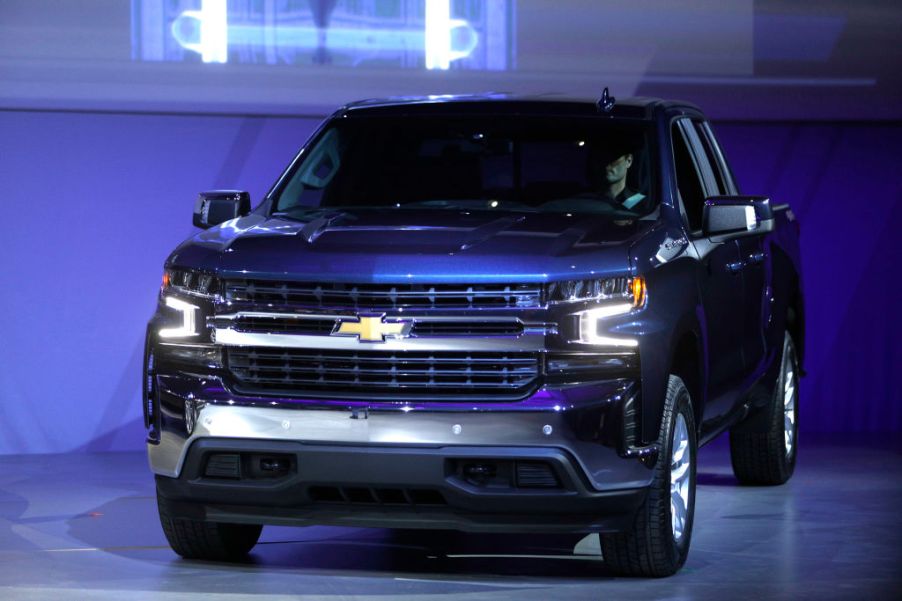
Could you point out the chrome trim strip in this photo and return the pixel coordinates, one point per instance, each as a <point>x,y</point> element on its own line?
<point>405,317</point>
<point>265,315</point>
<point>526,342</point>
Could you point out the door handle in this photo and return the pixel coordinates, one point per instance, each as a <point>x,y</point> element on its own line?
<point>756,259</point>
<point>736,267</point>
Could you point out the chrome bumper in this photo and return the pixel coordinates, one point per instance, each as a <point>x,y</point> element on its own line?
<point>557,419</point>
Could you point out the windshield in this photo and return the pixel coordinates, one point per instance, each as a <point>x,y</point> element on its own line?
<point>536,164</point>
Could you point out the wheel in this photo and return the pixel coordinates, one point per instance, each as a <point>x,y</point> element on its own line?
<point>763,449</point>
<point>658,542</point>
<point>214,541</point>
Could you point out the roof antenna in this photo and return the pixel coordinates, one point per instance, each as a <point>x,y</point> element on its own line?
<point>606,102</point>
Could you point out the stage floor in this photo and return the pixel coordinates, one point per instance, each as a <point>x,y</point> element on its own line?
<point>85,527</point>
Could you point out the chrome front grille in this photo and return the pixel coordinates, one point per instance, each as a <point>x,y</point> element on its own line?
<point>398,375</point>
<point>316,325</point>
<point>382,296</point>
<point>467,328</point>
<point>278,324</point>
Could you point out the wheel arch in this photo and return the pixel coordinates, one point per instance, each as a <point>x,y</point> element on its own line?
<point>795,321</point>
<point>790,311</point>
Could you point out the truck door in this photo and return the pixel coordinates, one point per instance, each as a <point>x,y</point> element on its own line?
<point>756,309</point>
<point>719,277</point>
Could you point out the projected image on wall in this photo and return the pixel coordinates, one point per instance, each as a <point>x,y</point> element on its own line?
<point>408,34</point>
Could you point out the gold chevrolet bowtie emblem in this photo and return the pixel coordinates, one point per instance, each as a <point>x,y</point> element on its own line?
<point>373,328</point>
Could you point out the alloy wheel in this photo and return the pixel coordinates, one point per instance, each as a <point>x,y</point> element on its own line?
<point>680,472</point>
<point>789,406</point>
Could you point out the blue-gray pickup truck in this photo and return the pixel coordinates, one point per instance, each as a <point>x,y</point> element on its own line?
<point>482,313</point>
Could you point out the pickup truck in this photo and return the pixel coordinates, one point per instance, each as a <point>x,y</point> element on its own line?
<point>482,313</point>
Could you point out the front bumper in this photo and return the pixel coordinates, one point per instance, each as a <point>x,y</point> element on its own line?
<point>586,422</point>
<point>390,486</point>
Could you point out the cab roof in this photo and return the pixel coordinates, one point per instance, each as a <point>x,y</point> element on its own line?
<point>495,104</point>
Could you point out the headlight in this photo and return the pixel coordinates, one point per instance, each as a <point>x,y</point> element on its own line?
<point>611,297</point>
<point>190,282</point>
<point>631,290</point>
<point>592,326</point>
<point>189,294</point>
<point>188,327</point>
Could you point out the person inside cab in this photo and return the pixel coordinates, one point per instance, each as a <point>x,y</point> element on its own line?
<point>609,166</point>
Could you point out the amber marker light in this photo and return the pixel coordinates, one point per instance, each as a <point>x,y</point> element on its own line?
<point>637,288</point>
<point>165,279</point>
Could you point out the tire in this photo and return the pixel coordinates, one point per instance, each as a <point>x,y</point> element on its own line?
<point>763,449</point>
<point>654,546</point>
<point>212,541</point>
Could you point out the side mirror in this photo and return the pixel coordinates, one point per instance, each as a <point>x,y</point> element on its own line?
<point>728,217</point>
<point>212,208</point>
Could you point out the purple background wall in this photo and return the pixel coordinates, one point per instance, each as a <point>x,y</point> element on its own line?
<point>93,202</point>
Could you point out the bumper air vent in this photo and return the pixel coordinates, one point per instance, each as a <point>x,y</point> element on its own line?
<point>536,474</point>
<point>223,465</point>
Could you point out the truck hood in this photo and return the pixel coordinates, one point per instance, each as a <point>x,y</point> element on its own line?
<point>416,245</point>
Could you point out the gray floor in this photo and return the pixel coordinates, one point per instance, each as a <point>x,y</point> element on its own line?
<point>84,526</point>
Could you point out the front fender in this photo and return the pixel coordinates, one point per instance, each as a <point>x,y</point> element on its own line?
<point>668,263</point>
